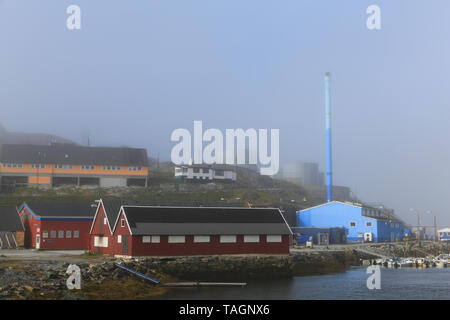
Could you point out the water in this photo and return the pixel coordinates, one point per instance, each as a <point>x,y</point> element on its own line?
<point>406,283</point>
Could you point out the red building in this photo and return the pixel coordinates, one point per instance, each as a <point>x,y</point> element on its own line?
<point>175,231</point>
<point>57,225</point>
<point>100,238</point>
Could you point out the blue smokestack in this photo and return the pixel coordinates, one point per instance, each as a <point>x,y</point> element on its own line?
<point>328,131</point>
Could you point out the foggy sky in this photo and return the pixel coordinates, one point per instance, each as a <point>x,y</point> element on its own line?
<point>137,70</point>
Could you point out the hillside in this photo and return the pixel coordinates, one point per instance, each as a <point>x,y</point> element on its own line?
<point>164,189</point>
<point>7,137</point>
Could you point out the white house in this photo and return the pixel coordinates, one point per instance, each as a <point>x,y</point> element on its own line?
<point>205,172</point>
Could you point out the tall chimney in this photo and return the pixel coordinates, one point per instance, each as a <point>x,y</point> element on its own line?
<point>328,132</point>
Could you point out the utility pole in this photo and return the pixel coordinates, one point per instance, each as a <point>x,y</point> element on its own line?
<point>418,228</point>
<point>435,230</point>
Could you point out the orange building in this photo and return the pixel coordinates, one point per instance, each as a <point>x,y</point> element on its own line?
<point>69,164</point>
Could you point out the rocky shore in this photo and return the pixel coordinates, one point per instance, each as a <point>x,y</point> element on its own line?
<point>103,280</point>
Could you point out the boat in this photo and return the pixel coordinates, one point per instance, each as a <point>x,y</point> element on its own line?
<point>419,262</point>
<point>441,261</point>
<point>406,263</point>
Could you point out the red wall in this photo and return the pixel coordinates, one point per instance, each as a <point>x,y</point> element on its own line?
<point>32,225</point>
<point>105,232</point>
<point>211,248</point>
<point>65,243</point>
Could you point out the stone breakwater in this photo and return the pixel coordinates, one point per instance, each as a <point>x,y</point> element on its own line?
<point>103,280</point>
<point>242,268</point>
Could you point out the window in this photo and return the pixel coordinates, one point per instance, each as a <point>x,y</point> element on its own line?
<point>68,234</point>
<point>45,234</point>
<point>113,168</point>
<point>104,220</point>
<point>368,224</point>
<point>200,239</point>
<point>122,223</point>
<point>205,170</point>
<point>228,239</point>
<point>146,239</point>
<point>251,238</point>
<point>177,239</point>
<point>119,239</point>
<point>38,166</point>
<point>196,170</point>
<point>60,234</point>
<point>140,168</point>
<point>63,166</point>
<point>352,224</point>
<point>87,167</point>
<point>219,173</point>
<point>53,234</point>
<point>12,165</point>
<point>273,238</point>
<point>101,242</point>
<point>76,234</point>
<point>156,239</point>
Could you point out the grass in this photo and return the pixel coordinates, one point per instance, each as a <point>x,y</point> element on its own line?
<point>125,289</point>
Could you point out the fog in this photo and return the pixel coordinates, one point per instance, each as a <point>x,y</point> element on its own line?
<point>137,70</point>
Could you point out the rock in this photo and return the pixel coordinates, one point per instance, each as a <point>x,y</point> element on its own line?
<point>28,288</point>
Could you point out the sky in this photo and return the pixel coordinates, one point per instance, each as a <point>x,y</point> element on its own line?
<point>137,70</point>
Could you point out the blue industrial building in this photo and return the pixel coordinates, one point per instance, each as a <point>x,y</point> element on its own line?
<point>362,222</point>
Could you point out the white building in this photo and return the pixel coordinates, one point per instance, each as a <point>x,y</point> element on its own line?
<point>205,172</point>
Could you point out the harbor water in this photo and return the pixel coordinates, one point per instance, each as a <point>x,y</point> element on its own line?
<point>404,283</point>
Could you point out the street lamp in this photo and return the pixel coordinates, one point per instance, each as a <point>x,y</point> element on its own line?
<point>414,211</point>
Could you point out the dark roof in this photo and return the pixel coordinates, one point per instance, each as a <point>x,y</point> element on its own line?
<point>10,219</point>
<point>72,154</point>
<point>51,210</point>
<point>204,220</point>
<point>112,207</point>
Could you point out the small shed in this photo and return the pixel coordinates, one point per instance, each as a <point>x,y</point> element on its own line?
<point>12,232</point>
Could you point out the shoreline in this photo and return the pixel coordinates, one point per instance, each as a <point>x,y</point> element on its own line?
<point>44,277</point>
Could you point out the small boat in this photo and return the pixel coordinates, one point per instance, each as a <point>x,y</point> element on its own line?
<point>406,263</point>
<point>441,261</point>
<point>419,262</point>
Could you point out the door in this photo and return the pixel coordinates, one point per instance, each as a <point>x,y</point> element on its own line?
<point>38,241</point>
<point>125,245</point>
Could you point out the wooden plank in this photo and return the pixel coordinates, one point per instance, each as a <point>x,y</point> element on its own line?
<point>204,284</point>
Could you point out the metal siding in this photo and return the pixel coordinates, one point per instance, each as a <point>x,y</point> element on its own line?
<point>337,214</point>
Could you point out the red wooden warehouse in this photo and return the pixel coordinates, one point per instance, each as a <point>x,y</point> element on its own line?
<point>57,225</point>
<point>100,238</point>
<point>175,231</point>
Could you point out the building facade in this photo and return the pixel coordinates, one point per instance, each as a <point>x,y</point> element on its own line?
<point>444,234</point>
<point>205,173</point>
<point>182,231</point>
<point>69,164</point>
<point>363,223</point>
<point>57,225</point>
<point>101,238</point>
<point>12,231</point>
